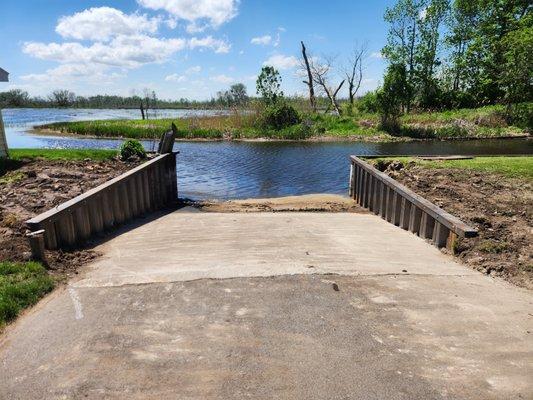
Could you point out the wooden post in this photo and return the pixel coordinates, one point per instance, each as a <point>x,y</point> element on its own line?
<point>36,240</point>
<point>4,153</point>
<point>350,183</point>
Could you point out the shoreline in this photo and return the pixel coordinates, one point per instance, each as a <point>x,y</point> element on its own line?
<point>315,139</point>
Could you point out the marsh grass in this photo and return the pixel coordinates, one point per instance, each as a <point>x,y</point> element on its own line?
<point>490,121</point>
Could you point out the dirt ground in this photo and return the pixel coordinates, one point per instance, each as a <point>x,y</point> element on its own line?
<point>308,203</point>
<point>501,208</point>
<point>39,185</point>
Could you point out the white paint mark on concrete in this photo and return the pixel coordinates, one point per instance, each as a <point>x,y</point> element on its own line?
<point>377,339</point>
<point>78,310</point>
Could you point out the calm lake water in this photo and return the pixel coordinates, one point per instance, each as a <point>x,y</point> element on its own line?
<point>231,170</point>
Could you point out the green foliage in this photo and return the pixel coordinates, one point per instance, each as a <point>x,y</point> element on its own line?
<point>15,98</point>
<point>269,85</point>
<point>518,56</point>
<point>235,96</point>
<point>368,103</point>
<point>521,115</point>
<point>394,94</point>
<point>131,148</point>
<point>21,285</point>
<point>280,115</point>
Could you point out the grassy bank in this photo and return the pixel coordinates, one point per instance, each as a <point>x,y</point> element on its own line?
<point>21,285</point>
<point>486,122</point>
<point>512,167</point>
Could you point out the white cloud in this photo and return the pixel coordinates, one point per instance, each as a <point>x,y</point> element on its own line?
<point>104,23</point>
<point>222,79</point>
<point>281,61</point>
<point>175,78</point>
<point>122,51</point>
<point>262,40</point>
<point>68,73</point>
<point>193,70</point>
<point>218,45</point>
<point>377,54</point>
<point>216,12</point>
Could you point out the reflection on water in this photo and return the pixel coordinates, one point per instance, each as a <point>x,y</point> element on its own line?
<point>227,170</point>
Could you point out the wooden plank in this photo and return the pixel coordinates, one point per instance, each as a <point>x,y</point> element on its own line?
<point>351,181</point>
<point>405,213</point>
<point>95,215</point>
<point>415,218</point>
<point>390,200</point>
<point>133,195</point>
<point>396,209</point>
<point>50,235</point>
<point>67,233</point>
<point>451,222</point>
<point>440,235</point>
<point>125,201</point>
<point>375,196</point>
<point>81,223</point>
<point>146,191</point>
<point>426,226</point>
<point>383,199</point>
<point>115,196</point>
<point>107,210</point>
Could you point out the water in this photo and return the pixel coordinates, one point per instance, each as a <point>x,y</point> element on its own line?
<point>231,170</point>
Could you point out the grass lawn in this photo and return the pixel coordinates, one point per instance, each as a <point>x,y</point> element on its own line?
<point>21,285</point>
<point>513,167</point>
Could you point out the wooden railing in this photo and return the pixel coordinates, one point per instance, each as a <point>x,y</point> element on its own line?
<point>402,207</point>
<point>146,188</point>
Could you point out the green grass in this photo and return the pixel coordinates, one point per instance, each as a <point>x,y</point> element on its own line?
<point>62,154</point>
<point>490,121</point>
<point>18,156</point>
<point>21,285</point>
<point>513,167</point>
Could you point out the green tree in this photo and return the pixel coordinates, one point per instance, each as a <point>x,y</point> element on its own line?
<point>269,85</point>
<point>238,94</point>
<point>517,79</point>
<point>392,97</point>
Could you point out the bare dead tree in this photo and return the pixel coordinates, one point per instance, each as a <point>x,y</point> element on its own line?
<point>321,73</point>
<point>309,82</point>
<point>354,70</point>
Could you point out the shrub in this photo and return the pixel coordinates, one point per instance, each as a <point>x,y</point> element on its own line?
<point>280,115</point>
<point>132,149</point>
<point>521,115</point>
<point>368,103</point>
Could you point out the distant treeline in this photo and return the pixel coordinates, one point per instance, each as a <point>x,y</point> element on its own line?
<point>63,98</point>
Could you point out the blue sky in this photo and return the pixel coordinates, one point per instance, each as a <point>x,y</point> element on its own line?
<point>179,48</point>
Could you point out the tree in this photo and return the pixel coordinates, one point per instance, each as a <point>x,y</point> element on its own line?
<point>392,96</point>
<point>269,85</point>
<point>238,94</point>
<point>15,98</point>
<point>403,38</point>
<point>62,98</point>
<point>321,72</point>
<point>354,71</point>
<point>517,78</point>
<point>309,81</point>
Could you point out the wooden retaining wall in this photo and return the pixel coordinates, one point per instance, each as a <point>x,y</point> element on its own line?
<point>3,141</point>
<point>146,188</point>
<point>402,207</point>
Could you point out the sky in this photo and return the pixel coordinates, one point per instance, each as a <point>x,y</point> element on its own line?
<point>180,48</point>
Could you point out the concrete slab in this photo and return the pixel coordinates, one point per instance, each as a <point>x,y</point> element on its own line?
<point>154,320</point>
<point>186,246</point>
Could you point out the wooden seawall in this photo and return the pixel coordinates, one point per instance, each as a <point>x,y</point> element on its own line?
<point>146,188</point>
<point>402,207</point>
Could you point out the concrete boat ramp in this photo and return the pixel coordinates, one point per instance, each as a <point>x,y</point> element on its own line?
<point>273,306</point>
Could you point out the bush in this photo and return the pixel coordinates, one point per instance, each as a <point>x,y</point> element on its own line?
<point>521,115</point>
<point>131,149</point>
<point>368,103</point>
<point>280,115</point>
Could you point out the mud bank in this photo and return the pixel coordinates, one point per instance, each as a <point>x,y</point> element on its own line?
<point>38,185</point>
<point>500,207</point>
